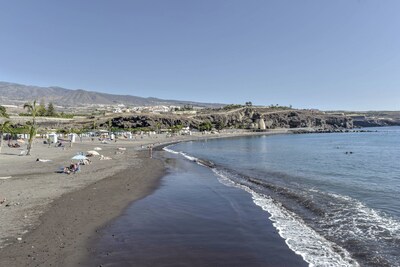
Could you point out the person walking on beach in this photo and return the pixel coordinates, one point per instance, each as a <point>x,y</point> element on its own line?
<point>150,150</point>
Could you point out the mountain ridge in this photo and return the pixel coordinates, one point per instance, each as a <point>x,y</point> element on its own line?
<point>14,93</point>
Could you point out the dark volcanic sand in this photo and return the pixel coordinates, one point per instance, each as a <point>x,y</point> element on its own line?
<point>72,221</point>
<point>192,220</point>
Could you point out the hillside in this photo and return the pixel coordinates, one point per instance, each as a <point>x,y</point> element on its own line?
<point>17,94</point>
<point>242,118</point>
<point>375,118</point>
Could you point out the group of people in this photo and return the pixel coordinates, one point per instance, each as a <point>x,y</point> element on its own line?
<point>16,145</point>
<point>73,168</point>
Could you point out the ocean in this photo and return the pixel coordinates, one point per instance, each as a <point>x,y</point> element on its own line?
<point>279,200</point>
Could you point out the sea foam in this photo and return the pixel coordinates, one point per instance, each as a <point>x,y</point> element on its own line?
<point>300,238</point>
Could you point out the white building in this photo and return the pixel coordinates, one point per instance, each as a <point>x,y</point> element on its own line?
<point>117,110</point>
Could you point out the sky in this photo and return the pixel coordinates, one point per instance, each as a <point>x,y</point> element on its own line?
<point>330,55</point>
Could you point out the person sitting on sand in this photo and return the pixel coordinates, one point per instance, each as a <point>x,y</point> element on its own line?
<point>72,167</point>
<point>77,168</point>
<point>16,145</point>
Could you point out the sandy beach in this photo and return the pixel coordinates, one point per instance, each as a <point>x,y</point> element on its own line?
<point>48,218</point>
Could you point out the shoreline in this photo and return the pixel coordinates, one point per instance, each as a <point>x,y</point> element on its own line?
<point>135,159</point>
<point>55,239</point>
<point>192,220</point>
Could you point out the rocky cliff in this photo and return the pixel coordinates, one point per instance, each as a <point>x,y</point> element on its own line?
<point>244,118</point>
<point>367,121</point>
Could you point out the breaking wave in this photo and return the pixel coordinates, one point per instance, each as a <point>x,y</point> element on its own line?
<point>314,248</point>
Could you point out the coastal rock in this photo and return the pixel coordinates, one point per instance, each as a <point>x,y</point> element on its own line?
<point>372,122</point>
<point>243,118</point>
<point>261,124</point>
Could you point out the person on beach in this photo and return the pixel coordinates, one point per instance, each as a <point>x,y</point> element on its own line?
<point>150,147</point>
<point>43,160</point>
<point>67,170</point>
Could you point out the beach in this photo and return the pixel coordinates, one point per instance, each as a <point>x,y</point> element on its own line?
<point>191,220</point>
<point>49,218</point>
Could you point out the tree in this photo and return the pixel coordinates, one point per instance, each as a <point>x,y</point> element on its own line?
<point>3,112</point>
<point>32,108</point>
<point>32,134</point>
<point>205,126</point>
<point>249,104</point>
<point>42,109</point>
<point>4,127</point>
<point>109,126</point>
<point>94,125</point>
<point>158,127</point>
<point>176,128</point>
<point>51,112</point>
<point>219,125</point>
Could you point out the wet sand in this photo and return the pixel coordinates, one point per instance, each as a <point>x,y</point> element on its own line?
<point>191,220</point>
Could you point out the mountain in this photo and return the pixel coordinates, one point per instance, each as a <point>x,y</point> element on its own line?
<point>17,94</point>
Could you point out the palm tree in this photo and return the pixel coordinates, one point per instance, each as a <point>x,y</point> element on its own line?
<point>3,112</point>
<point>33,109</point>
<point>5,126</point>
<point>109,126</point>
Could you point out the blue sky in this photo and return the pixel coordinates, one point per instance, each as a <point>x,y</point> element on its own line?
<point>342,54</point>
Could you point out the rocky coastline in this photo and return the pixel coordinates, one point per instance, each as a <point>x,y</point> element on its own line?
<point>244,118</point>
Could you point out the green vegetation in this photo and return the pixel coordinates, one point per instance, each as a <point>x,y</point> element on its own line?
<point>158,127</point>
<point>94,125</point>
<point>65,115</point>
<point>3,112</point>
<point>24,129</point>
<point>139,129</point>
<point>109,125</point>
<point>51,112</point>
<point>176,128</point>
<point>4,127</point>
<point>205,126</point>
<point>219,125</point>
<point>32,108</point>
<point>117,129</point>
<point>277,106</point>
<point>42,109</point>
<point>232,106</point>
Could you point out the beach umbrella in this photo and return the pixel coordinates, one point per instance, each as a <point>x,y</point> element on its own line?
<point>93,152</point>
<point>79,157</point>
<point>97,148</point>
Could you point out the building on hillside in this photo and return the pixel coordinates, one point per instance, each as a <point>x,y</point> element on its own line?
<point>117,110</point>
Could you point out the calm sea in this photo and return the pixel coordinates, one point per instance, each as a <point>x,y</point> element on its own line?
<point>334,198</point>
